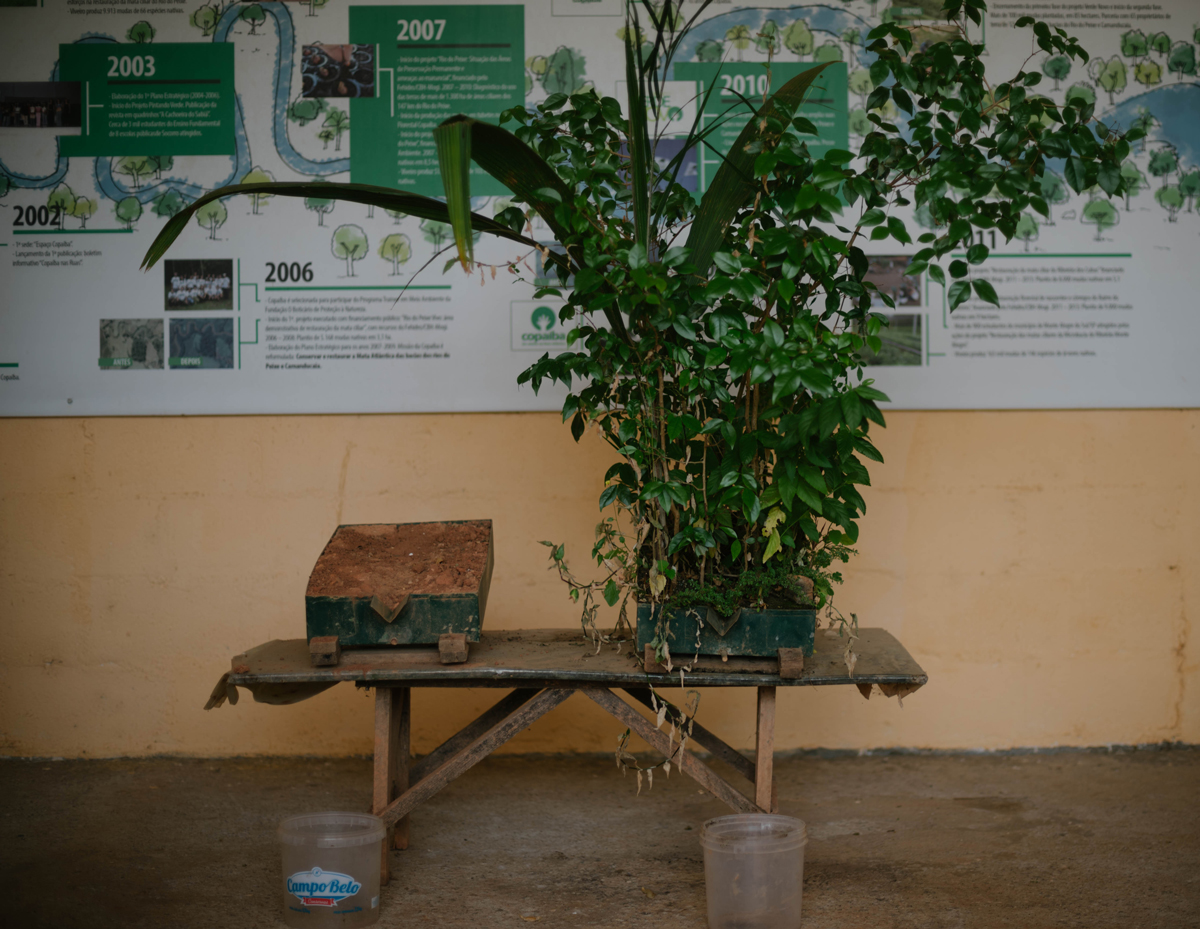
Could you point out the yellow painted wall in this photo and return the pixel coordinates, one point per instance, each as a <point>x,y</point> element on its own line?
<point>1039,565</point>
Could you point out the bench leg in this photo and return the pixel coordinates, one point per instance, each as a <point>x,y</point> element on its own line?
<point>764,752</point>
<point>393,707</point>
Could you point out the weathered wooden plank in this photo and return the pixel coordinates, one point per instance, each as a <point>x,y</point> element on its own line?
<point>705,738</point>
<point>472,731</point>
<point>764,751</point>
<point>391,751</point>
<point>325,650</point>
<point>453,648</point>
<point>692,766</point>
<point>552,657</point>
<point>791,663</point>
<point>470,756</point>
<point>403,761</point>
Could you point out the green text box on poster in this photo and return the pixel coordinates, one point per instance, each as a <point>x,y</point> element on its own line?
<point>434,62</point>
<point>826,104</point>
<point>170,99</point>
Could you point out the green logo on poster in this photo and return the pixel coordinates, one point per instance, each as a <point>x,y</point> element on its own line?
<point>542,319</point>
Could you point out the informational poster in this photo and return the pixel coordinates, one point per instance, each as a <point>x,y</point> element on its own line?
<point>115,114</point>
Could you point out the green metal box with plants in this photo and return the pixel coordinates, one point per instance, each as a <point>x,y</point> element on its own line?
<point>716,342</point>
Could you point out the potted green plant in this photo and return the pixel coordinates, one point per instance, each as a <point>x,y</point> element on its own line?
<point>716,343</point>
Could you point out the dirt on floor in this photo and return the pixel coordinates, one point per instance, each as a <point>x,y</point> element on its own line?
<point>1070,839</point>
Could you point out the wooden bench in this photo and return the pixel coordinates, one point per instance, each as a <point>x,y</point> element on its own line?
<point>542,668</point>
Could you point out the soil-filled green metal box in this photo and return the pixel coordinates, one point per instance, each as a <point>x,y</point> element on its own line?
<point>747,633</point>
<point>401,583</point>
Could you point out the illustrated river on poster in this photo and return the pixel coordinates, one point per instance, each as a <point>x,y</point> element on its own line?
<point>116,113</point>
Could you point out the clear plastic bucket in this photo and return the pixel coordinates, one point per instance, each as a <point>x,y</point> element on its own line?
<point>754,870</point>
<point>331,869</point>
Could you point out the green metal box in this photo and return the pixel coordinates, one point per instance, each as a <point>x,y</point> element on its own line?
<point>401,583</point>
<point>746,634</point>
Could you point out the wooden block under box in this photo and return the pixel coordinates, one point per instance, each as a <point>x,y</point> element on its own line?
<point>401,584</point>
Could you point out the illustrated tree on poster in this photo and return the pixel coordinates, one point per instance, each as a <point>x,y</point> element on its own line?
<point>212,217</point>
<point>135,167</point>
<point>257,175</point>
<point>1112,76</point>
<point>397,249</point>
<point>1148,72</point>
<point>254,16</point>
<point>1163,162</point>
<point>860,83</point>
<point>767,39</point>
<point>798,39</point>
<point>1189,186</point>
<point>739,37</point>
<point>435,232</point>
<point>1170,198</point>
<point>320,206</point>
<point>710,50</point>
<point>159,163</point>
<point>829,51</point>
<point>1160,44</point>
<point>564,71</point>
<point>396,215</point>
<point>1133,44</point>
<point>1057,68</point>
<point>84,209</point>
<point>1182,60</point>
<point>337,121</point>
<point>1054,192</point>
<point>140,33</point>
<point>1144,122</point>
<point>205,18</point>
<point>168,203</point>
<point>303,110</point>
<point>1081,91</point>
<point>1135,181</point>
<point>1027,229</point>
<point>62,198</point>
<point>326,136</point>
<point>1101,214</point>
<point>858,123</point>
<point>350,244</point>
<point>853,40</point>
<point>128,211</point>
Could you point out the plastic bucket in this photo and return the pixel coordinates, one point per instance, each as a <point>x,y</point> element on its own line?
<point>754,870</point>
<point>331,869</point>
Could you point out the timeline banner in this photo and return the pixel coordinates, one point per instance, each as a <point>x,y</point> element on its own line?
<point>116,115</point>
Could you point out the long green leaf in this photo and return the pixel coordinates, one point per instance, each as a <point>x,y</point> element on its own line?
<point>639,133</point>
<point>734,181</point>
<point>506,158</point>
<point>398,200</point>
<point>529,176</point>
<point>453,140</point>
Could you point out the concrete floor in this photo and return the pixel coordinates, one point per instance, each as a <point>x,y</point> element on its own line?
<point>1028,841</point>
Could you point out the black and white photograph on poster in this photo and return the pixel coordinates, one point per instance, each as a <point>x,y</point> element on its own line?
<point>40,105</point>
<point>338,70</point>
<point>202,343</point>
<point>890,274</point>
<point>131,344</point>
<point>198,284</point>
